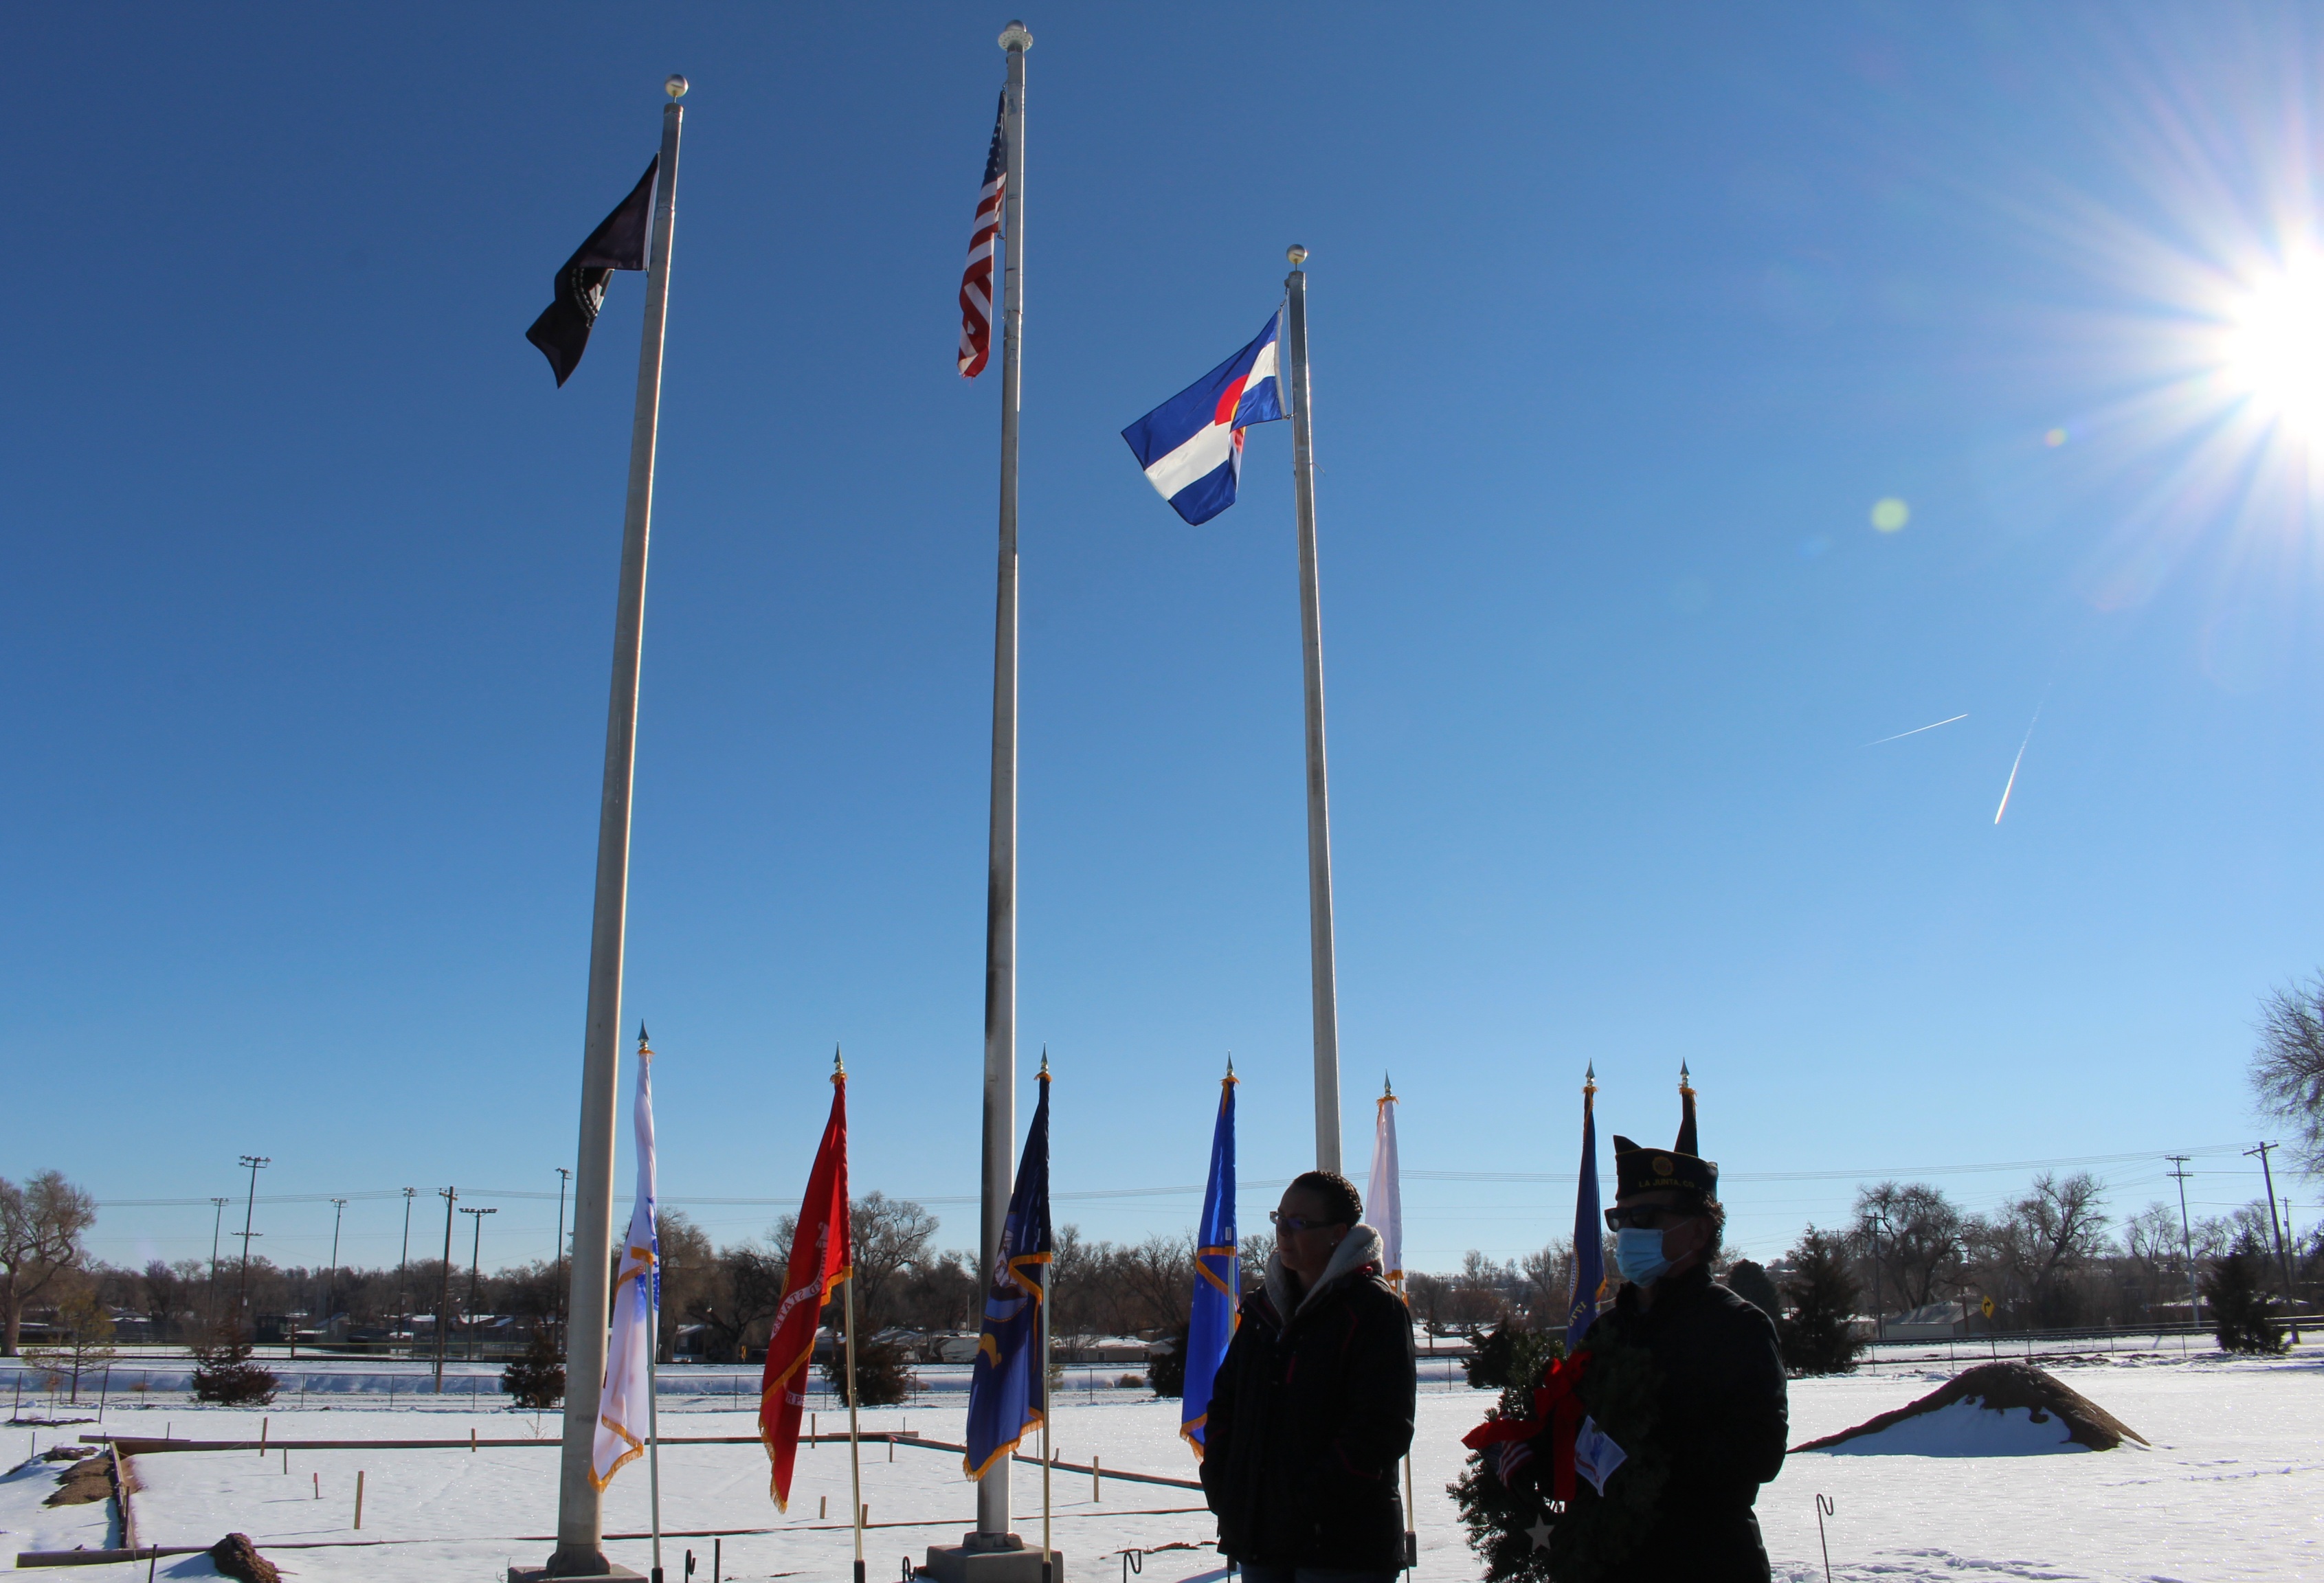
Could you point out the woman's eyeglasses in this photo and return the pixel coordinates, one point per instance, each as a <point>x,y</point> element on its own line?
<point>1647,1218</point>
<point>1294,1224</point>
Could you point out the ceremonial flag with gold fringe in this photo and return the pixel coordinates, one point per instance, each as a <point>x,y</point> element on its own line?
<point>1218,1276</point>
<point>1384,1203</point>
<point>626,1400</point>
<point>1008,1393</point>
<point>822,1257</point>
<point>1588,1227</point>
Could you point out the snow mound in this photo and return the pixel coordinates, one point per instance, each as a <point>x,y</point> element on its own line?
<point>1962,1429</point>
<point>1995,1410</point>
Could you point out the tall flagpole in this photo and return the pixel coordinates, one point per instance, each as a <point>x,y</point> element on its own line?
<point>1319,800</point>
<point>1001,891</point>
<point>580,1549</point>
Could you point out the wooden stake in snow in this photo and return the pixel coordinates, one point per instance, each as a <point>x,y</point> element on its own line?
<point>359,1483</point>
<point>1097,1480</point>
<point>261,1437</point>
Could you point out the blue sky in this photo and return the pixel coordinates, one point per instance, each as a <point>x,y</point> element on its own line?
<point>1623,324</point>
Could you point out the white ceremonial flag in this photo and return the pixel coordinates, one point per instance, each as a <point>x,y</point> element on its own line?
<point>1385,1207</point>
<point>625,1405</point>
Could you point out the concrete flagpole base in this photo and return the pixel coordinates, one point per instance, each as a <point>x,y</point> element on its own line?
<point>992,1557</point>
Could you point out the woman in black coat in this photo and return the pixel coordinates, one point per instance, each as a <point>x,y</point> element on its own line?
<point>1311,1408</point>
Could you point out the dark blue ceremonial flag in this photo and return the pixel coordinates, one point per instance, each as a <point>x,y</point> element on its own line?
<point>1007,1392</point>
<point>1589,1235</point>
<point>1217,1277</point>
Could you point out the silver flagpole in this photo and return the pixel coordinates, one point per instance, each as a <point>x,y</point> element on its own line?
<point>580,1526</point>
<point>1001,894</point>
<point>1319,800</point>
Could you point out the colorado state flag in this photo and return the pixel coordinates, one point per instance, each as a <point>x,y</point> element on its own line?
<point>1190,446</point>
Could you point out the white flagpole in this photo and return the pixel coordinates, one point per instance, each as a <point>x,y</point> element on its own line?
<point>1000,889</point>
<point>855,1463</point>
<point>1048,1406</point>
<point>580,1509</point>
<point>653,1421</point>
<point>1319,801</point>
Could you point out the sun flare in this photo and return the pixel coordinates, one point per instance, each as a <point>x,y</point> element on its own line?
<point>2273,356</point>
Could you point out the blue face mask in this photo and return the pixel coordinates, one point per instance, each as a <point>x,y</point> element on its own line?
<point>1639,1255</point>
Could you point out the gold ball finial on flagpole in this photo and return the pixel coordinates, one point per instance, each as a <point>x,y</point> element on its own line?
<point>1015,37</point>
<point>676,86</point>
<point>1296,254</point>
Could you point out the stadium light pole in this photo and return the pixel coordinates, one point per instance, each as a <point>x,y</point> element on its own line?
<point>476,1254</point>
<point>256,1162</point>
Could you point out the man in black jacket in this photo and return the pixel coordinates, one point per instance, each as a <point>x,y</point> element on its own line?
<point>1684,1386</point>
<point>1311,1408</point>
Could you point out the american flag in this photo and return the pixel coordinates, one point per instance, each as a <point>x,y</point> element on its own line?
<point>976,278</point>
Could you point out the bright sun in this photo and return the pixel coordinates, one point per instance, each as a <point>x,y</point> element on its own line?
<point>2274,352</point>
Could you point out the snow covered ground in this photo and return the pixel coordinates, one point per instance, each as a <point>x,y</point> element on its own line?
<point>2233,1489</point>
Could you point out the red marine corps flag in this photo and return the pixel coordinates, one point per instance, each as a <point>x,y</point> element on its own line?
<point>822,1255</point>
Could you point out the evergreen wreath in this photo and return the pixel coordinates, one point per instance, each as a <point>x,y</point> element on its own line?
<point>1595,1537</point>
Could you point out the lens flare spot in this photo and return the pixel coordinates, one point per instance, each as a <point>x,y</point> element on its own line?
<point>2054,438</point>
<point>1890,514</point>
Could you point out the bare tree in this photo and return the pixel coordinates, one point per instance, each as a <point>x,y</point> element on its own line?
<point>1479,1295</point>
<point>688,1269</point>
<point>1548,1275</point>
<point>889,1236</point>
<point>41,1227</point>
<point>743,1294</point>
<point>2288,1068</point>
<point>1156,1281</point>
<point>1914,1232</point>
<point>2033,1247</point>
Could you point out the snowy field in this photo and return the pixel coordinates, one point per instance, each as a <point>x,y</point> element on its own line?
<point>2233,1488</point>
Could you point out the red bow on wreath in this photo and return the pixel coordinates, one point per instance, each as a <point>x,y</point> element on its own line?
<point>1556,1408</point>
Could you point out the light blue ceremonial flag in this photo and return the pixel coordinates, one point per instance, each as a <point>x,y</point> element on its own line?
<point>1006,1391</point>
<point>1217,1277</point>
<point>1589,1233</point>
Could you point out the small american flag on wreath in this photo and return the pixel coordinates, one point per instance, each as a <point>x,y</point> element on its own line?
<point>976,278</point>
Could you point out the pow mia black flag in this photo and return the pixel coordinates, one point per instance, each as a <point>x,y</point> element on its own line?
<point>562,330</point>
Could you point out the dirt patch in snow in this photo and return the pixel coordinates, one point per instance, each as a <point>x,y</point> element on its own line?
<point>2000,1386</point>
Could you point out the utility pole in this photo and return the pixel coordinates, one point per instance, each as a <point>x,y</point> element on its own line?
<point>331,1281</point>
<point>451,1196</point>
<point>2283,1260</point>
<point>258,1163</point>
<point>1875,1223</point>
<point>474,1254</point>
<point>2187,1238</point>
<point>404,1274</point>
<point>563,1176</point>
<point>218,1221</point>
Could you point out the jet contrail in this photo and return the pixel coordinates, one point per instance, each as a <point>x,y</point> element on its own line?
<point>2014,763</point>
<point>1916,731</point>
